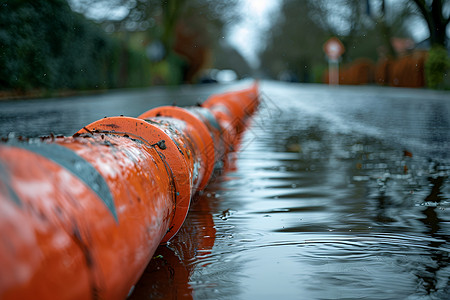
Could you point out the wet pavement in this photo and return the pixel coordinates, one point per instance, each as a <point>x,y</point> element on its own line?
<point>36,117</point>
<point>336,193</point>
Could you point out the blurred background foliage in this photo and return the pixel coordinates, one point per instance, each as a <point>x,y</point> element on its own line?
<point>377,36</point>
<point>47,45</point>
<point>181,38</point>
<point>437,64</point>
<point>98,44</point>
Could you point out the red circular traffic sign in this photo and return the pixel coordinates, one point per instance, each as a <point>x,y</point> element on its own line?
<point>333,48</point>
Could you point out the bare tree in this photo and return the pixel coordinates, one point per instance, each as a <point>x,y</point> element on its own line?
<point>433,13</point>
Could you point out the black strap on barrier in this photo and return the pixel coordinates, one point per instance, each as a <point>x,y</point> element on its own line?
<point>77,165</point>
<point>4,177</point>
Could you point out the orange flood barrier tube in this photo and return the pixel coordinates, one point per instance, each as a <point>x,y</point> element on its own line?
<point>81,216</point>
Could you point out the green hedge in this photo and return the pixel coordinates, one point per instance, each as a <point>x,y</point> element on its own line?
<point>436,67</point>
<point>44,44</point>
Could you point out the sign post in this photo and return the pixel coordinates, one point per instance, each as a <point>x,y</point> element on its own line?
<point>333,49</point>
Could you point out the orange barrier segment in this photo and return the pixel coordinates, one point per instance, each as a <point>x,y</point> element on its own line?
<point>80,224</point>
<point>197,132</point>
<point>81,216</point>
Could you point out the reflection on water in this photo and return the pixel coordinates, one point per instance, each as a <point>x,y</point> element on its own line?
<point>167,275</point>
<point>432,222</point>
<point>337,193</point>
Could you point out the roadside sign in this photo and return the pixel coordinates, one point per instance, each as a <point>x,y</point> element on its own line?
<point>333,48</point>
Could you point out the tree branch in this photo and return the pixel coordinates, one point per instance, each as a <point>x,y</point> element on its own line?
<point>426,13</point>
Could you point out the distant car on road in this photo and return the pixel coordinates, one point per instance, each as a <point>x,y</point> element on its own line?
<point>218,76</point>
<point>226,76</point>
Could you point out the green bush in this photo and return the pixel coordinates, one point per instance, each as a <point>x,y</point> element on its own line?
<point>436,67</point>
<point>44,44</point>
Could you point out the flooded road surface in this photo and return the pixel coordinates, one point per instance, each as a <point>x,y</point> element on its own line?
<point>337,193</point>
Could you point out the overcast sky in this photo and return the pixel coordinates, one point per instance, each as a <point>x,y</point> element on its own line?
<point>248,35</point>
